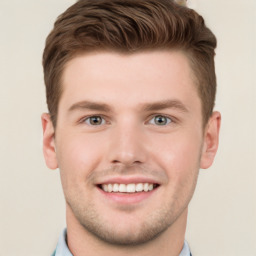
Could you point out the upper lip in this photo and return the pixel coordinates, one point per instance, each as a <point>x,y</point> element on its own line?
<point>127,180</point>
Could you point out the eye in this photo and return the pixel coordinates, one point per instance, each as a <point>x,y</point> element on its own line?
<point>94,120</point>
<point>160,120</point>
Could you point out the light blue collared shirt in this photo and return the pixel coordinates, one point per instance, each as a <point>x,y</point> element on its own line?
<point>62,248</point>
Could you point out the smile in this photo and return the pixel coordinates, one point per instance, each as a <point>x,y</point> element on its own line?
<point>128,188</point>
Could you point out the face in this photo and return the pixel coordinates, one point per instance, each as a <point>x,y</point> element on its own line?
<point>129,142</point>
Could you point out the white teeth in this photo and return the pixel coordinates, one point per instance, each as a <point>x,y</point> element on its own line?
<point>139,187</point>
<point>128,188</point>
<point>122,188</point>
<point>115,187</point>
<point>110,188</point>
<point>105,187</point>
<point>145,187</point>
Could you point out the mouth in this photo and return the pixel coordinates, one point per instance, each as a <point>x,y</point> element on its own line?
<point>132,188</point>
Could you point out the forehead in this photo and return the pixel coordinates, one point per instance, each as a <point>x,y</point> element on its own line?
<point>128,79</point>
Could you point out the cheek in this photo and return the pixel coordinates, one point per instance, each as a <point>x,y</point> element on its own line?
<point>179,154</point>
<point>77,158</point>
<point>179,157</point>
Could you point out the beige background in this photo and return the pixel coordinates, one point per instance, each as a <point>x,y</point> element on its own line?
<point>222,219</point>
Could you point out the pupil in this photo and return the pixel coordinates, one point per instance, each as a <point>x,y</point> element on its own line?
<point>161,120</point>
<point>95,120</point>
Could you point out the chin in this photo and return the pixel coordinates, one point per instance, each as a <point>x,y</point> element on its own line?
<point>127,237</point>
<point>128,229</point>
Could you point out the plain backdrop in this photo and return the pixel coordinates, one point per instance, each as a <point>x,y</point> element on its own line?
<point>222,214</point>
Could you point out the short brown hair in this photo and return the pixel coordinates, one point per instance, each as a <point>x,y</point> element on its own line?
<point>130,26</point>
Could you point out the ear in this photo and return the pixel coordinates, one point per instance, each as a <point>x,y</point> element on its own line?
<point>211,140</point>
<point>49,142</point>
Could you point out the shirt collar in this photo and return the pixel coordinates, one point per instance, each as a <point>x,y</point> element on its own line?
<point>185,250</point>
<point>62,248</point>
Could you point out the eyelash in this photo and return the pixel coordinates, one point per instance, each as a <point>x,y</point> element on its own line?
<point>169,119</point>
<point>152,117</point>
<point>95,116</point>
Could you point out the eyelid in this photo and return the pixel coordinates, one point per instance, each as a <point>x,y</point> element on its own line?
<point>83,120</point>
<point>171,118</point>
<point>105,119</point>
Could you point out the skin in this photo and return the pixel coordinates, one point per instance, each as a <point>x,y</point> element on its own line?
<point>127,92</point>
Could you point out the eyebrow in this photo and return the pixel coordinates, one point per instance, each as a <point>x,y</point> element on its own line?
<point>90,105</point>
<point>174,104</point>
<point>155,106</point>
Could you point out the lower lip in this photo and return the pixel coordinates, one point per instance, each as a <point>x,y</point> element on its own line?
<point>128,198</point>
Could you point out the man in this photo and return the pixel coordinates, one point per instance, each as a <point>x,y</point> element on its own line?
<point>130,89</point>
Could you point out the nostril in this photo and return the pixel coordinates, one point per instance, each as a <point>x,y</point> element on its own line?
<point>126,156</point>
<point>115,161</point>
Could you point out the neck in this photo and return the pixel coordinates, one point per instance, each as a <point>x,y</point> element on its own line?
<point>82,242</point>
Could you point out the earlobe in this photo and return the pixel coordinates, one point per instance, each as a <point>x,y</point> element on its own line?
<point>211,140</point>
<point>49,142</point>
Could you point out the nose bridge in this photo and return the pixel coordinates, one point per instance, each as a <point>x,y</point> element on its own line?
<point>127,144</point>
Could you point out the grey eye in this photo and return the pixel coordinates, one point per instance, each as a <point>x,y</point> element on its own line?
<point>95,120</point>
<point>160,120</point>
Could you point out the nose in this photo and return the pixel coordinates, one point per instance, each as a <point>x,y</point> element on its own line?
<point>127,146</point>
